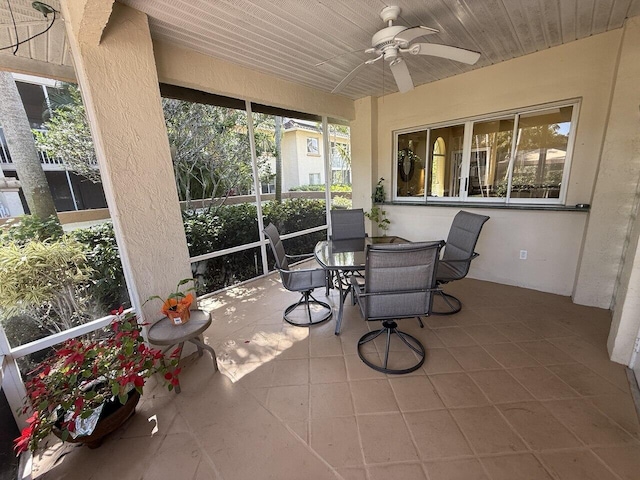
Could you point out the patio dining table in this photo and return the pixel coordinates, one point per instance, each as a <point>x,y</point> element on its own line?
<point>345,257</point>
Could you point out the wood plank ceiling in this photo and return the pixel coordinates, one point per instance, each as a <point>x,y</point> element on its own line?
<point>286,38</point>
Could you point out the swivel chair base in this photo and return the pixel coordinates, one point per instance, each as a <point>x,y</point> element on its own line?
<point>390,328</point>
<point>454,304</point>
<point>305,302</point>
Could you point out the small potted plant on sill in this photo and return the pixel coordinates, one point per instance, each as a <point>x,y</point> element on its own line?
<point>88,388</point>
<point>177,306</point>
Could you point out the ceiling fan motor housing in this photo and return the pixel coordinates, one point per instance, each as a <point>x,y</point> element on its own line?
<point>384,41</point>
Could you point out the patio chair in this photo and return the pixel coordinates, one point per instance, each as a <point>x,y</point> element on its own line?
<point>458,254</point>
<point>400,283</point>
<point>302,280</point>
<point>346,225</point>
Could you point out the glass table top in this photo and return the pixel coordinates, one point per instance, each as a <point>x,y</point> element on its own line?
<point>348,254</point>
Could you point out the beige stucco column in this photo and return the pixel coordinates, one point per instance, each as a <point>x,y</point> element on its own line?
<point>616,184</point>
<point>610,261</point>
<point>364,156</point>
<point>116,71</point>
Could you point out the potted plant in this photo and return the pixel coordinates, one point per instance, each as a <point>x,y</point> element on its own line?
<point>379,194</point>
<point>379,216</point>
<point>178,304</point>
<point>89,387</point>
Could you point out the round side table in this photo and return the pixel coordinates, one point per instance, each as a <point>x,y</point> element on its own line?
<point>164,332</point>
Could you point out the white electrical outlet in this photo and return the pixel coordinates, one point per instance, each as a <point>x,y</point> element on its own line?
<point>523,254</point>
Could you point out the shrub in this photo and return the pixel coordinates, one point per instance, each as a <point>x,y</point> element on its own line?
<point>29,227</point>
<point>341,202</point>
<point>338,187</point>
<point>108,287</point>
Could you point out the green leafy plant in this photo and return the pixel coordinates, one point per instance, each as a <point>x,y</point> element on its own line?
<point>177,300</point>
<point>47,280</point>
<point>379,217</point>
<point>378,193</point>
<point>341,202</point>
<point>81,376</point>
<point>25,228</point>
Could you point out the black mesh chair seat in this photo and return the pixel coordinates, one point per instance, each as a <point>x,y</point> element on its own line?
<point>302,280</point>
<point>458,254</point>
<point>400,281</point>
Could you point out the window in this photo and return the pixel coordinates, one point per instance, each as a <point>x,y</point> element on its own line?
<point>312,146</point>
<point>314,179</point>
<point>517,157</point>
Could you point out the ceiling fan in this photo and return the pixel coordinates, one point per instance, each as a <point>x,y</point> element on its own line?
<point>394,40</point>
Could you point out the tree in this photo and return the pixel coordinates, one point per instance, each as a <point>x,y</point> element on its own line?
<point>22,149</point>
<point>68,136</point>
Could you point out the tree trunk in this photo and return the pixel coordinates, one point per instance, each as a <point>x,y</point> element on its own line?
<point>22,149</point>
<point>278,135</point>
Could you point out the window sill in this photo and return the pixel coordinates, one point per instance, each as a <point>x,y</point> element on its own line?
<point>495,206</point>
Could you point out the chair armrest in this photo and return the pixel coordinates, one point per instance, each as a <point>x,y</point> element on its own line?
<point>304,255</point>
<point>302,270</point>
<point>398,292</point>
<point>461,260</point>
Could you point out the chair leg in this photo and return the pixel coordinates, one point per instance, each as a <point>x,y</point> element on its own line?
<point>420,322</point>
<point>389,328</point>
<point>454,304</point>
<point>306,300</point>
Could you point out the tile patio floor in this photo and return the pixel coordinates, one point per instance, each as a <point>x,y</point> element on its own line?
<point>516,386</point>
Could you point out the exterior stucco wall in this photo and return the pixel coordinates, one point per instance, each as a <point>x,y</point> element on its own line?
<point>583,69</point>
<point>614,227</point>
<point>364,157</point>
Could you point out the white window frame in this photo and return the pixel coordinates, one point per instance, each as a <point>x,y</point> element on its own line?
<point>468,123</point>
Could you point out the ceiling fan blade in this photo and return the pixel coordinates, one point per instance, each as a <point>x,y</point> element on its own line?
<point>346,80</point>
<point>445,51</point>
<point>410,34</point>
<point>401,75</point>
<point>339,55</point>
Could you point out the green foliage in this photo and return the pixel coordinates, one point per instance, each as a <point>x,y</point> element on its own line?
<point>29,227</point>
<point>46,280</point>
<point>338,187</point>
<point>379,216</point>
<point>68,136</point>
<point>234,225</point>
<point>379,194</point>
<point>341,202</point>
<point>108,287</point>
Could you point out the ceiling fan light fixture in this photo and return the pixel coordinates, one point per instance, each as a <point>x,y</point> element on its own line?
<point>43,8</point>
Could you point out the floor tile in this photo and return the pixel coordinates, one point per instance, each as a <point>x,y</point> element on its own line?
<point>336,440</point>
<point>486,431</point>
<point>466,469</point>
<point>289,402</point>
<point>499,386</point>
<point>583,379</point>
<point>325,346</point>
<point>328,370</point>
<point>587,423</point>
<point>454,337</point>
<point>458,390</point>
<point>576,465</point>
<point>473,358</point>
<point>385,438</point>
<point>439,360</point>
<point>373,396</point>
<point>485,334</point>
<point>542,383</point>
<point>358,370</point>
<point>540,429</point>
<point>405,471</point>
<point>512,467</point>
<point>330,400</point>
<point>621,409</point>
<point>415,393</point>
<point>624,461</point>
<point>510,355</point>
<point>290,372</point>
<point>517,332</point>
<point>545,353</point>
<point>437,435</point>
